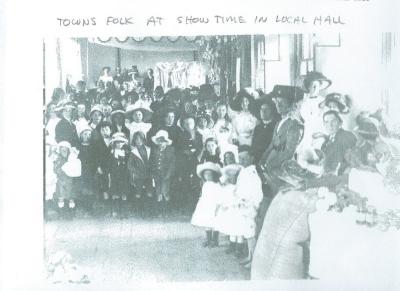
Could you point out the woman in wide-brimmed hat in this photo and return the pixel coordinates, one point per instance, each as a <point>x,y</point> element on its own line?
<point>204,214</point>
<point>204,125</point>
<point>96,116</point>
<point>243,118</point>
<point>140,117</point>
<point>310,110</point>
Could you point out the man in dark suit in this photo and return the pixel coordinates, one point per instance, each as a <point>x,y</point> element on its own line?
<point>148,81</point>
<point>286,136</point>
<point>65,128</point>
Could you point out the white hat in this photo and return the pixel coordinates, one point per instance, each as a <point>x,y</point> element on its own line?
<point>80,130</point>
<point>64,144</point>
<point>119,136</point>
<point>64,104</point>
<point>208,166</point>
<point>161,134</point>
<point>96,107</point>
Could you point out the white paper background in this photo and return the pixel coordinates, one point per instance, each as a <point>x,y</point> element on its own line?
<point>27,22</point>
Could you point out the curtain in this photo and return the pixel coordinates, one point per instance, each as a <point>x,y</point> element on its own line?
<point>179,74</point>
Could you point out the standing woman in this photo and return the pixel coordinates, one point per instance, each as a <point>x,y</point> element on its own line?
<point>96,116</point>
<point>243,120</point>
<point>222,125</point>
<point>310,110</point>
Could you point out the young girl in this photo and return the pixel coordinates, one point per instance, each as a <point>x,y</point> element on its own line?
<point>162,162</point>
<point>139,167</point>
<point>228,211</point>
<point>204,124</point>
<point>67,167</point>
<point>204,215</point>
<point>210,152</point>
<point>222,126</point>
<point>119,175</point>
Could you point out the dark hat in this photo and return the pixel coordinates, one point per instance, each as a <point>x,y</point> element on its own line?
<point>292,93</point>
<point>343,101</point>
<point>334,112</point>
<point>315,76</point>
<point>236,103</point>
<point>367,129</point>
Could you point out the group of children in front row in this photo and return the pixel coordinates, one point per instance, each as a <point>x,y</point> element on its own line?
<point>229,202</point>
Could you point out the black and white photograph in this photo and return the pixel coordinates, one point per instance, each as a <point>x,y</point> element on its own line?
<point>221,158</point>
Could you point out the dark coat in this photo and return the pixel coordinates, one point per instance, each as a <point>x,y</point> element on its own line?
<point>119,175</point>
<point>262,138</point>
<point>99,154</point>
<point>162,163</point>
<point>335,151</point>
<point>66,131</point>
<point>139,168</point>
<point>148,84</point>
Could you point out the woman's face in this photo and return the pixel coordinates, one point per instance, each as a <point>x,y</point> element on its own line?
<point>245,104</point>
<point>64,152</point>
<point>229,158</point>
<point>211,147</point>
<point>169,119</point>
<point>81,110</point>
<point>208,175</point>
<point>138,141</point>
<point>105,131</point>
<point>221,111</point>
<point>202,123</point>
<point>265,112</point>
<point>315,88</point>
<point>86,136</point>
<point>332,124</point>
<point>67,113</point>
<point>119,144</point>
<point>137,116</point>
<point>97,116</point>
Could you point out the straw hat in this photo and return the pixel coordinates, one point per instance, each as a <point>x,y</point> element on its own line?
<point>208,166</point>
<point>64,105</point>
<point>119,137</point>
<point>65,144</point>
<point>147,112</point>
<point>343,101</point>
<point>161,136</point>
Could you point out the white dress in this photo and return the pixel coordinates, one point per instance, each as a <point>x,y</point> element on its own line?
<point>228,214</point>
<point>243,124</point>
<point>223,131</point>
<point>135,127</point>
<point>249,192</point>
<point>204,214</point>
<point>312,116</point>
<point>51,131</point>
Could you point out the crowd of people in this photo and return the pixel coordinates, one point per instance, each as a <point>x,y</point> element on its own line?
<point>128,147</point>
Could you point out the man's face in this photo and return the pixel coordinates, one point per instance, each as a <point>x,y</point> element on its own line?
<point>282,105</point>
<point>265,112</point>
<point>170,118</point>
<point>331,123</point>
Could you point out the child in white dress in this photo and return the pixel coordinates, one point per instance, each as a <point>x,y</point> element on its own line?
<point>204,214</point>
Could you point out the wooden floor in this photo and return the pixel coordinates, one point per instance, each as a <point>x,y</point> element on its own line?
<point>141,250</point>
